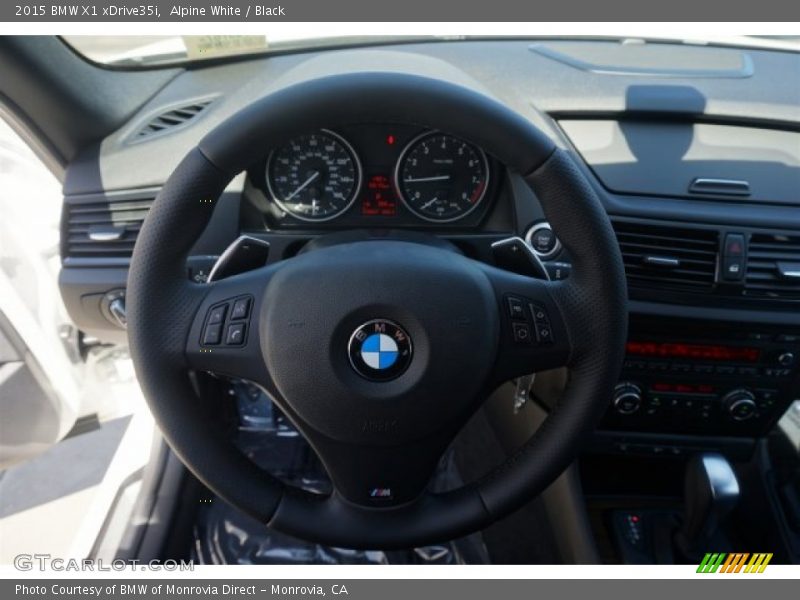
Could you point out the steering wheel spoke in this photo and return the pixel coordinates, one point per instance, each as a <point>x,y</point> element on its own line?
<point>225,335</point>
<point>534,334</point>
<point>430,518</point>
<point>380,476</point>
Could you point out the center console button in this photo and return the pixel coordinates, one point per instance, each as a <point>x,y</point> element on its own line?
<point>627,398</point>
<point>788,338</point>
<point>733,257</point>
<point>758,336</point>
<point>733,269</point>
<point>768,372</point>
<point>740,404</point>
<point>741,410</point>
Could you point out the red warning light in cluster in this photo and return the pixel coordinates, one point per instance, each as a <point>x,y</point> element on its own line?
<point>379,198</point>
<point>390,139</point>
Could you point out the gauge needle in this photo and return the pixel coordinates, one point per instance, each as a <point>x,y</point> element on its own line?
<point>430,202</point>
<point>433,178</point>
<point>303,186</point>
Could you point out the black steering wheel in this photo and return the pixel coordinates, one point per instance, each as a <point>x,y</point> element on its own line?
<point>378,351</point>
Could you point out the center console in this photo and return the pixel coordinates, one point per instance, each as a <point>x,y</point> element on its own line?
<point>684,377</point>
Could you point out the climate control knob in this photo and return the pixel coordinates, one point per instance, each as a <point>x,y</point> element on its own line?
<point>627,398</point>
<point>740,404</point>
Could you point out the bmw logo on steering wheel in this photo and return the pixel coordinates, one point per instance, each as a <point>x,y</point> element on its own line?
<point>380,350</point>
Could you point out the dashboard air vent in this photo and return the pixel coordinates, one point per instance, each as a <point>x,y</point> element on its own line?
<point>658,256</point>
<point>773,266</point>
<point>170,120</point>
<point>104,229</point>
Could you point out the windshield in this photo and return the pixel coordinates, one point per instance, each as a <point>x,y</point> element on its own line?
<point>138,50</point>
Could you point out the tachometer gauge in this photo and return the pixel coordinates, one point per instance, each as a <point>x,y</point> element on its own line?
<point>314,177</point>
<point>441,178</point>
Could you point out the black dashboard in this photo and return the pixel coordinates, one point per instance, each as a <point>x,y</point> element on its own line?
<point>695,155</point>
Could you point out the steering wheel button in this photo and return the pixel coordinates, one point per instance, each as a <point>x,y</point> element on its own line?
<point>240,308</point>
<point>213,334</point>
<point>516,308</point>
<point>522,333</point>
<point>539,314</point>
<point>235,335</point>
<point>217,314</point>
<point>544,333</point>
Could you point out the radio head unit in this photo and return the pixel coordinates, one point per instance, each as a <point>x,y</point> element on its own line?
<point>685,379</point>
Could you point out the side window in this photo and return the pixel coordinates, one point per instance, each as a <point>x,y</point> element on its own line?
<point>30,205</point>
<point>73,426</point>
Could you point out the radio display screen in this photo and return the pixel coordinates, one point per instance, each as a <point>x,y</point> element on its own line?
<point>713,352</point>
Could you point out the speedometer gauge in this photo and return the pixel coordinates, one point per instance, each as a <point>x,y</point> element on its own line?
<point>314,177</point>
<point>441,178</point>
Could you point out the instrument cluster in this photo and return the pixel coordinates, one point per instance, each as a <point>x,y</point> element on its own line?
<point>377,174</point>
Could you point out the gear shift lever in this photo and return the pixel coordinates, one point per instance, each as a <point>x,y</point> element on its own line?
<point>711,492</point>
